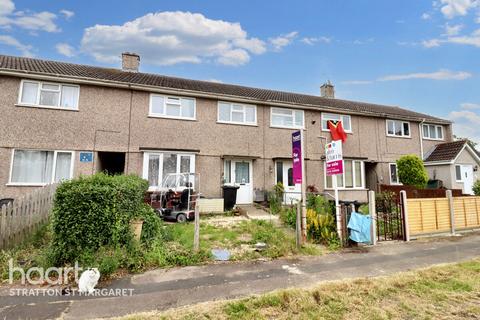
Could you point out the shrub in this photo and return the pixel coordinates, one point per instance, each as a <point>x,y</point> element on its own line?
<point>289,216</point>
<point>386,202</point>
<point>321,227</point>
<point>411,171</point>
<point>319,204</point>
<point>90,212</point>
<point>476,188</point>
<point>153,227</point>
<point>275,198</point>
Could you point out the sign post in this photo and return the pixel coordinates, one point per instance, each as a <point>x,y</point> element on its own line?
<point>298,167</point>
<point>334,163</point>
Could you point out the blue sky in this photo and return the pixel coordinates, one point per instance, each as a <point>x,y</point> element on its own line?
<point>422,55</point>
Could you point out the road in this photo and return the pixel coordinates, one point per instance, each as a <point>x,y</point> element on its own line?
<point>164,289</point>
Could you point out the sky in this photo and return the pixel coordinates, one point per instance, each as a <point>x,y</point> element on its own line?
<point>422,55</point>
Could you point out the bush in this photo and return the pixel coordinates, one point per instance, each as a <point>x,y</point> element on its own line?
<point>94,211</point>
<point>153,227</point>
<point>476,188</point>
<point>275,198</point>
<point>289,216</point>
<point>321,225</point>
<point>411,171</point>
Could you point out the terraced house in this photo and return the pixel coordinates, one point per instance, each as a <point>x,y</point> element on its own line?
<point>61,120</point>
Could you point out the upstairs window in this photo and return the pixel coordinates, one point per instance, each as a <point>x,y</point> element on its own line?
<point>237,113</point>
<point>286,118</point>
<point>37,167</point>
<point>433,132</point>
<point>49,95</point>
<point>346,121</point>
<point>172,107</point>
<point>396,128</point>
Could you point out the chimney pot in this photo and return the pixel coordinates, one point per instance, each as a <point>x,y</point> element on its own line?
<point>327,90</point>
<point>130,62</point>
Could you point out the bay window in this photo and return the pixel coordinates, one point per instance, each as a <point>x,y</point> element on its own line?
<point>237,113</point>
<point>172,107</point>
<point>38,167</point>
<point>396,128</point>
<point>286,118</point>
<point>158,165</point>
<point>48,95</point>
<point>352,177</point>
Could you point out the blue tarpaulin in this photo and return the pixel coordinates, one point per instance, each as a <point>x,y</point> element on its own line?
<point>360,226</point>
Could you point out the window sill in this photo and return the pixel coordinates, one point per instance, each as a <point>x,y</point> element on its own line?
<point>171,117</point>
<point>238,123</point>
<point>290,128</point>
<point>347,132</point>
<point>44,107</point>
<point>15,184</point>
<point>347,189</point>
<point>400,137</point>
<point>430,139</point>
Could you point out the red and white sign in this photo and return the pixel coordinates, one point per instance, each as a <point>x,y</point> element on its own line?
<point>334,158</point>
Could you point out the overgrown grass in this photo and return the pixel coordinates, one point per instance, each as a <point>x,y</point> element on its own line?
<point>172,247</point>
<point>444,292</point>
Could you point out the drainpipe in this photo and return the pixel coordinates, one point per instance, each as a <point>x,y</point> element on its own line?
<point>420,134</point>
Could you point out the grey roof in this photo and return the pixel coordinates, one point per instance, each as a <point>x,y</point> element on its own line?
<point>65,70</point>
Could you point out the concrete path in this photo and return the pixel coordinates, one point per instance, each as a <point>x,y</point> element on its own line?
<point>163,289</point>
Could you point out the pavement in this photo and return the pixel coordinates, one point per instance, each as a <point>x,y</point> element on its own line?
<point>164,289</point>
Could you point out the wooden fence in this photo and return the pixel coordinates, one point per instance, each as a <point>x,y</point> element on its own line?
<point>413,192</point>
<point>20,219</point>
<point>442,215</point>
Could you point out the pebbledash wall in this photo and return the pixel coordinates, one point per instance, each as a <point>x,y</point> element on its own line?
<point>118,120</point>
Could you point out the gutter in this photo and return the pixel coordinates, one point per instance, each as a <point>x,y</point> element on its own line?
<point>156,89</point>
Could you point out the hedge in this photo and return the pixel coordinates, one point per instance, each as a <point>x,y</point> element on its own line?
<point>93,211</point>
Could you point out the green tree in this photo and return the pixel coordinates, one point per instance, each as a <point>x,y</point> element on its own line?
<point>476,188</point>
<point>411,171</point>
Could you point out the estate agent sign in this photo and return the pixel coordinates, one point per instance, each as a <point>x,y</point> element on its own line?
<point>334,158</point>
<point>297,157</point>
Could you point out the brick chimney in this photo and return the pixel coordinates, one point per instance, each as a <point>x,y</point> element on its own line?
<point>327,90</point>
<point>130,62</point>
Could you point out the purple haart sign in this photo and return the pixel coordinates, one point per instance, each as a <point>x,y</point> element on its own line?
<point>297,157</point>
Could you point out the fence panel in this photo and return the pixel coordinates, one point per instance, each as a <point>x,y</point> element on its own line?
<point>20,219</point>
<point>428,216</point>
<point>467,213</point>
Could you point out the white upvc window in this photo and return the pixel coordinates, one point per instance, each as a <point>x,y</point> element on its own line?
<point>458,173</point>
<point>397,128</point>
<point>345,119</point>
<point>48,95</point>
<point>172,107</point>
<point>157,165</point>
<point>432,132</point>
<point>40,167</point>
<point>353,176</point>
<point>236,113</point>
<point>393,170</point>
<point>286,118</point>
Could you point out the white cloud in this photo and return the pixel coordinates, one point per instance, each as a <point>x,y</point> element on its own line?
<point>283,40</point>
<point>437,75</point>
<point>167,38</point>
<point>426,16</point>
<point>65,49</point>
<point>432,43</point>
<point>466,124</point>
<point>473,39</point>
<point>361,42</point>
<point>453,8</point>
<point>470,106</point>
<point>11,41</point>
<point>452,30</point>
<point>312,40</point>
<point>214,80</point>
<point>67,13</point>
<point>34,21</point>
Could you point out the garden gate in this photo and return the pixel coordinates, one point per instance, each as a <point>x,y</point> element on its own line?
<point>390,217</point>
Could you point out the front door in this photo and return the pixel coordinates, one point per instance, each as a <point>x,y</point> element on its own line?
<point>284,174</point>
<point>467,177</point>
<point>239,173</point>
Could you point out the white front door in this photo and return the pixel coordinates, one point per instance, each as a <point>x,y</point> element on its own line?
<point>284,174</point>
<point>239,173</point>
<point>467,177</point>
